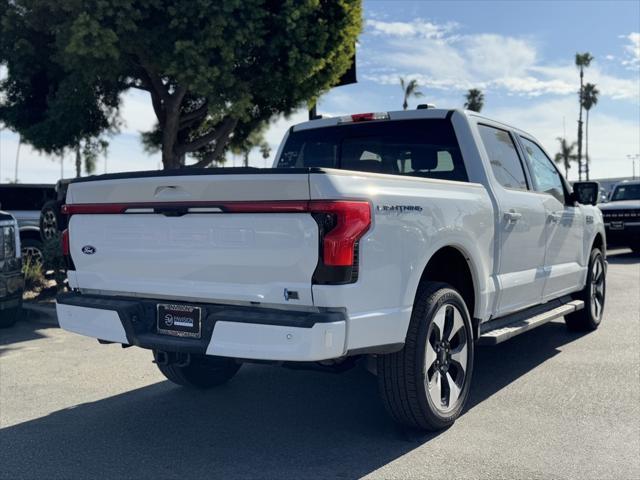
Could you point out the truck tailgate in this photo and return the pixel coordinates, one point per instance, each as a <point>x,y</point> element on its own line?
<point>218,238</point>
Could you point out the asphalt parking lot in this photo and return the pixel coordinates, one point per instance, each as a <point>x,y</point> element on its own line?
<point>547,404</point>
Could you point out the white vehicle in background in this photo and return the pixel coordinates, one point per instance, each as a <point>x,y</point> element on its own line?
<point>404,237</point>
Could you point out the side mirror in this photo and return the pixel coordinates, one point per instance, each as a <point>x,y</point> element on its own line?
<point>586,192</point>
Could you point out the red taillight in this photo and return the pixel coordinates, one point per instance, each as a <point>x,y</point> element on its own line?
<point>65,243</point>
<point>352,220</point>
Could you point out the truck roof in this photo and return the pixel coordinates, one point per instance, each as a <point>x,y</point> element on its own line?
<point>406,115</point>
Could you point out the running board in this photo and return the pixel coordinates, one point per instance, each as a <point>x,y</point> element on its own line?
<point>502,329</point>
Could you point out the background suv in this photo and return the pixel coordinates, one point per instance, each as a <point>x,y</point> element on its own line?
<point>621,215</point>
<point>24,202</point>
<point>11,279</point>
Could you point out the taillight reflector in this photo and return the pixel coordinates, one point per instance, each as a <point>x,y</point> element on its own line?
<point>65,243</point>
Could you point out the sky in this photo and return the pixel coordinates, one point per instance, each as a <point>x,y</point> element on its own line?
<point>519,53</point>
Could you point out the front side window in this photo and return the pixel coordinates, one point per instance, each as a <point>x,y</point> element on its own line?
<point>422,148</point>
<point>544,175</point>
<point>503,156</point>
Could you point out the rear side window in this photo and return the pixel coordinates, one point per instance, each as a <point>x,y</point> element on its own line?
<point>17,197</point>
<point>422,148</point>
<point>503,156</point>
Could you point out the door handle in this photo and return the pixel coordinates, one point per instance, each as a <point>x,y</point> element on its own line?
<point>512,216</point>
<point>555,217</point>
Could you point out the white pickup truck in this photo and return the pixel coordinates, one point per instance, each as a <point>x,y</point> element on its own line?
<point>404,238</point>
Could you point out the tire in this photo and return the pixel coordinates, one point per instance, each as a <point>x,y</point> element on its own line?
<point>203,371</point>
<point>593,295</point>
<point>408,380</point>
<point>32,248</point>
<point>9,317</point>
<point>52,222</point>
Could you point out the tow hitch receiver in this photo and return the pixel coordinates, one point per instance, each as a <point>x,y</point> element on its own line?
<point>171,358</point>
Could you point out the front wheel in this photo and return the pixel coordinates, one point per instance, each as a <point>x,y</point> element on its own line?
<point>426,384</point>
<point>202,371</point>
<point>593,296</point>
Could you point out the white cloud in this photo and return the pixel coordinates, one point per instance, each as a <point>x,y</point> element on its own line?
<point>450,60</point>
<point>611,138</point>
<point>632,50</point>
<point>418,28</point>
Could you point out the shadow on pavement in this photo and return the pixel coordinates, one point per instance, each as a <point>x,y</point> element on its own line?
<point>29,327</point>
<point>623,257</point>
<point>268,422</point>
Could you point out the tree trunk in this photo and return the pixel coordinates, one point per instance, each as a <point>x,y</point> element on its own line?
<point>78,161</point>
<point>580,126</point>
<point>586,147</point>
<point>169,136</point>
<point>15,179</point>
<point>246,159</point>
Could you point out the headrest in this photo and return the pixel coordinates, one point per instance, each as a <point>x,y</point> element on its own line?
<point>423,158</point>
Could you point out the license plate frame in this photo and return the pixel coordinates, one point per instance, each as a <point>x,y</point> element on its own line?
<point>179,320</point>
<point>617,225</point>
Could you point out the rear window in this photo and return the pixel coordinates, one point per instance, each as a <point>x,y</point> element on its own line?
<point>420,148</point>
<point>17,197</point>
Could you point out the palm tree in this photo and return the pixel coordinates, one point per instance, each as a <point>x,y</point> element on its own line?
<point>589,100</point>
<point>565,156</point>
<point>15,179</point>
<point>583,60</point>
<point>410,89</point>
<point>475,100</point>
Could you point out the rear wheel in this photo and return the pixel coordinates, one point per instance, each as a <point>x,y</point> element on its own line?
<point>203,371</point>
<point>593,296</point>
<point>51,221</point>
<point>426,384</point>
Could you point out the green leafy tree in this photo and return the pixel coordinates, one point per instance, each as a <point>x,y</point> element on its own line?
<point>589,100</point>
<point>243,145</point>
<point>87,153</point>
<point>409,89</point>
<point>474,100</point>
<point>214,70</point>
<point>566,155</point>
<point>583,60</point>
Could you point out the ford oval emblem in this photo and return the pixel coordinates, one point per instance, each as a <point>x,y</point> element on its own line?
<point>88,249</point>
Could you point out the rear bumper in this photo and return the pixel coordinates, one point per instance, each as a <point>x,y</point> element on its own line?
<point>245,332</point>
